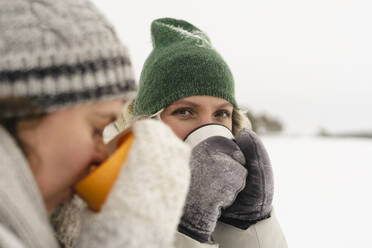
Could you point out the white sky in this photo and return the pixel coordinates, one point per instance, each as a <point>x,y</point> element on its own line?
<point>309,63</point>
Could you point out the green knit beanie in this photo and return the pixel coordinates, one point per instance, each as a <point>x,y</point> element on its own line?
<point>183,63</point>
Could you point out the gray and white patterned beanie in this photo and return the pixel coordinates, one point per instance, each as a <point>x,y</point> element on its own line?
<point>58,53</point>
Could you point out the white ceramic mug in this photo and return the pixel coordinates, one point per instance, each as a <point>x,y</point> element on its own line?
<point>205,131</point>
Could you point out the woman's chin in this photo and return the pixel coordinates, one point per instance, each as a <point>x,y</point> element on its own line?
<point>70,194</point>
<point>67,195</point>
<point>64,197</point>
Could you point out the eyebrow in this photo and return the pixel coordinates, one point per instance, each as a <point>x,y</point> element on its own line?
<point>225,105</point>
<point>196,105</point>
<point>112,116</point>
<point>186,103</point>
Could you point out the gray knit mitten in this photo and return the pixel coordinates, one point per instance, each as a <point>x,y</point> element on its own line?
<point>254,202</point>
<point>217,176</point>
<point>146,202</point>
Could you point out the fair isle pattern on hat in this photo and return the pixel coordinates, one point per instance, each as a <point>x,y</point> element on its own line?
<point>59,53</point>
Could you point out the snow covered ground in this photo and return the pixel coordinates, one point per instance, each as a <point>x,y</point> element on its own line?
<point>323,195</point>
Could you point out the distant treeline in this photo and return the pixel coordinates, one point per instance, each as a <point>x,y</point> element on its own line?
<point>263,123</point>
<point>356,134</point>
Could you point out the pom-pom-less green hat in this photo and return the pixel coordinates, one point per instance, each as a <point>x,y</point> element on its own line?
<point>183,63</point>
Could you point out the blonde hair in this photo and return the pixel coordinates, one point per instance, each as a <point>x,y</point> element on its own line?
<point>126,118</point>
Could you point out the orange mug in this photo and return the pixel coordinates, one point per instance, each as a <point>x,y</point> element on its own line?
<point>95,187</point>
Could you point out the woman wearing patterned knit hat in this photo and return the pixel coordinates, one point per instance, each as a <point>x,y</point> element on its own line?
<point>63,77</point>
<point>186,83</point>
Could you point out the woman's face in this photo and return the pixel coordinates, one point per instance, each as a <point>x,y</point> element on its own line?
<point>62,146</point>
<point>190,112</point>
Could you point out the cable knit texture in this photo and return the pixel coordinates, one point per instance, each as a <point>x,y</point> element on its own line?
<point>146,202</point>
<point>58,53</point>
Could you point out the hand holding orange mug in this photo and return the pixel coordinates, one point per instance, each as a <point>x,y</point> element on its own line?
<point>94,188</point>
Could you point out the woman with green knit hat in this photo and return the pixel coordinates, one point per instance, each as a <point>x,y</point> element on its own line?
<point>186,84</point>
<point>64,76</point>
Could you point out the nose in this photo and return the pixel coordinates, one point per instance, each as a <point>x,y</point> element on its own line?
<point>205,119</point>
<point>102,153</point>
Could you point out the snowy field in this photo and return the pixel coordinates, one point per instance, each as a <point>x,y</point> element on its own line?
<point>323,190</point>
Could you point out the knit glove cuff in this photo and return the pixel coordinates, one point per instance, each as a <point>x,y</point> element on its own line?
<point>145,204</point>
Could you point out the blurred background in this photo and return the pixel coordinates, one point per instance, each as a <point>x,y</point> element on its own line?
<point>303,71</point>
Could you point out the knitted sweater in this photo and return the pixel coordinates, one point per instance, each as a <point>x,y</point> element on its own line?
<point>142,209</point>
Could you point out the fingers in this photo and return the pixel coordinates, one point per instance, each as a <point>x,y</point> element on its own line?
<point>252,147</point>
<point>238,156</point>
<point>260,182</point>
<point>219,144</point>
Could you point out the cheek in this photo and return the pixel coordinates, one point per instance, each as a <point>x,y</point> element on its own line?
<point>63,164</point>
<point>74,157</point>
<point>228,124</point>
<point>182,130</point>
<point>179,127</point>
<point>81,157</point>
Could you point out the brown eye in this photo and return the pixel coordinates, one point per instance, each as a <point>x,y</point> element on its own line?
<point>184,113</point>
<point>222,114</point>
